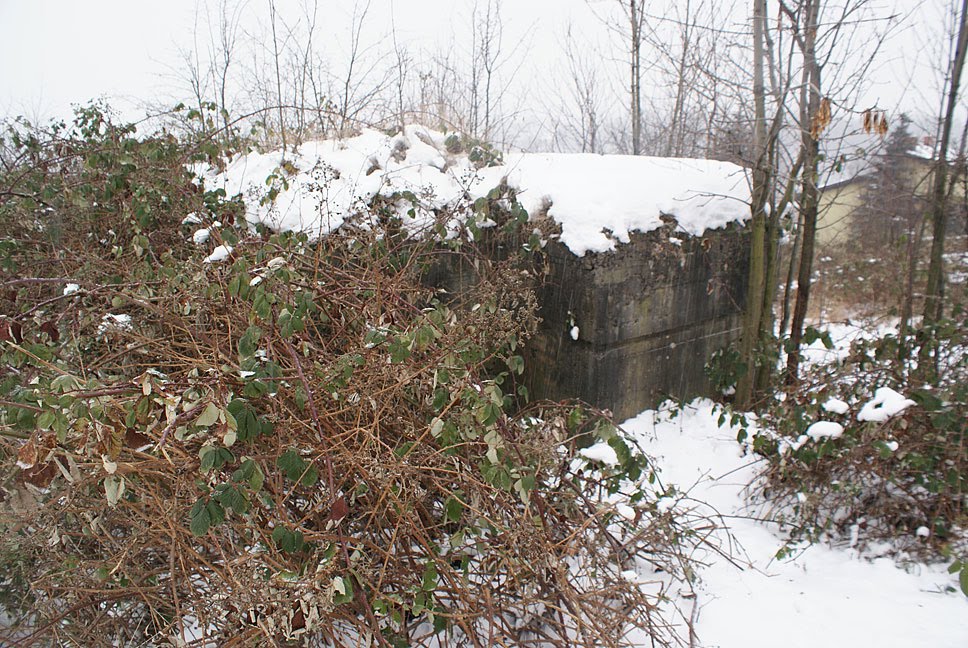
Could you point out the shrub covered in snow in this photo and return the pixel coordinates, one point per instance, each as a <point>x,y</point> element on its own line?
<point>862,451</point>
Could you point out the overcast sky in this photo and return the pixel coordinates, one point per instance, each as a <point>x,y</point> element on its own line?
<point>57,52</point>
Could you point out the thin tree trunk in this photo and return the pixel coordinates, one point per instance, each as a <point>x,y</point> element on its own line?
<point>934,293</point>
<point>753,322</point>
<point>275,52</point>
<point>811,125</point>
<point>674,146</point>
<point>636,80</point>
<point>915,237</point>
<point>788,284</point>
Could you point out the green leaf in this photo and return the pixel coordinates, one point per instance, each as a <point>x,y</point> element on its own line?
<point>232,498</point>
<point>928,400</point>
<point>214,457</point>
<point>374,337</point>
<point>223,456</point>
<point>296,468</point>
<point>46,420</point>
<point>342,590</point>
<point>399,350</point>
<point>441,398</point>
<point>252,474</point>
<point>487,414</point>
<point>215,512</point>
<point>235,285</point>
<point>419,604</point>
<point>278,534</point>
<point>621,449</point>
<point>404,448</point>
<point>429,580</point>
<point>200,520</point>
<point>207,454</point>
<point>285,323</point>
<point>113,489</point>
<point>496,474</point>
<point>249,342</point>
<point>262,304</point>
<point>288,541</point>
<point>255,389</point>
<point>248,424</point>
<point>453,508</point>
<point>424,336</point>
<point>291,464</point>
<point>64,383</point>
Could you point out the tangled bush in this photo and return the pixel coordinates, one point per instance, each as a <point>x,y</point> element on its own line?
<point>862,451</point>
<point>305,442</point>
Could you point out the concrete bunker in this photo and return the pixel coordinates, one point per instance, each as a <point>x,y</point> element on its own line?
<point>647,266</point>
<point>626,329</point>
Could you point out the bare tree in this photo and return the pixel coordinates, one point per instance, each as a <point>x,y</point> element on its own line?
<point>576,108</point>
<point>636,18</point>
<point>754,326</point>
<point>276,55</point>
<point>223,43</point>
<point>349,104</point>
<point>823,33</point>
<point>630,29</point>
<point>934,293</point>
<point>814,118</point>
<point>402,65</point>
<point>194,72</point>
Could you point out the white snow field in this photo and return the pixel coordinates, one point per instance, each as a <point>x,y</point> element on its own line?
<point>822,597</point>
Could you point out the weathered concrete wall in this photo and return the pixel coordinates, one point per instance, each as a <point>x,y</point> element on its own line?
<point>650,314</point>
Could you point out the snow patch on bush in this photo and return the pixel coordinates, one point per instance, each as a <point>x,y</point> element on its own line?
<point>885,404</point>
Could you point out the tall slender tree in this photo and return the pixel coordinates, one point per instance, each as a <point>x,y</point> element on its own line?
<point>934,293</point>
<point>814,118</point>
<point>758,321</point>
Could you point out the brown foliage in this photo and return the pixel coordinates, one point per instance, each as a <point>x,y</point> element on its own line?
<point>305,444</point>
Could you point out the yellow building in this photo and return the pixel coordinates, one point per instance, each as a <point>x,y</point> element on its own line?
<point>841,202</point>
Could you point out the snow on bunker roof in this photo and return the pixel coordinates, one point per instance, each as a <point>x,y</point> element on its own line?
<point>598,200</point>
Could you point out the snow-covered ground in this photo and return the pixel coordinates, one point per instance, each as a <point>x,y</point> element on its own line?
<point>843,334</point>
<point>822,597</point>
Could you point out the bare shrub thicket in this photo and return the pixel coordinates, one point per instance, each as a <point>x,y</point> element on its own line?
<point>307,441</point>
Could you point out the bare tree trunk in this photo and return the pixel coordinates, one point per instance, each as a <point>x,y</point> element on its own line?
<point>788,283</point>
<point>222,55</point>
<point>275,52</point>
<point>812,123</point>
<point>760,192</point>
<point>934,294</point>
<point>582,87</point>
<point>676,127</point>
<point>306,75</point>
<point>915,238</point>
<point>490,55</point>
<point>635,84</point>
<point>402,68</point>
